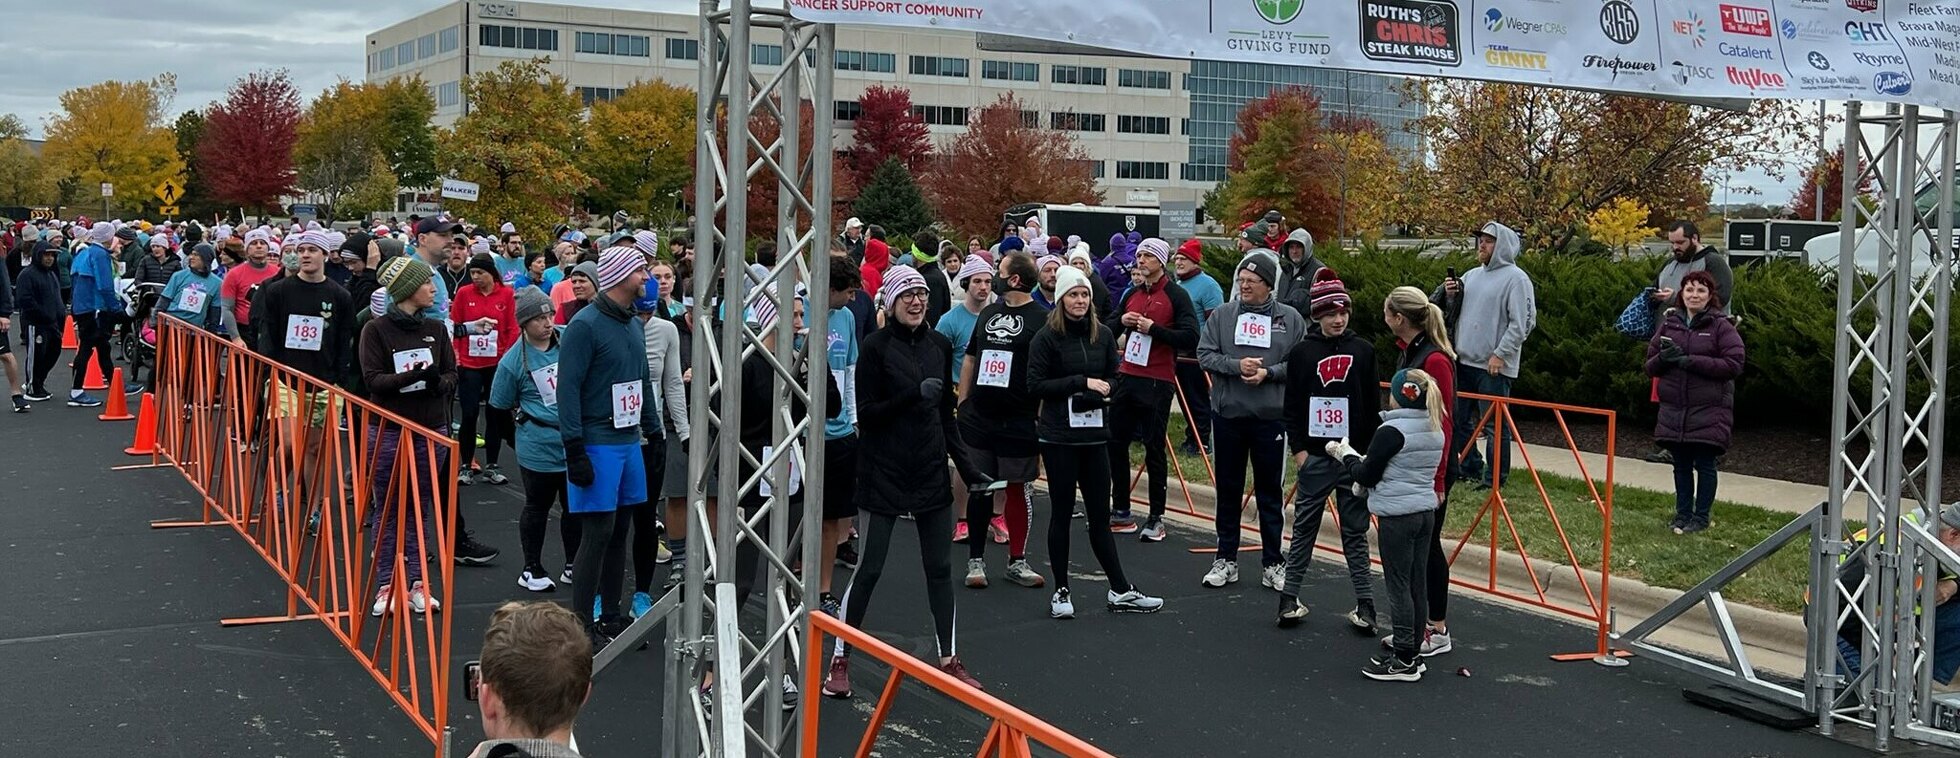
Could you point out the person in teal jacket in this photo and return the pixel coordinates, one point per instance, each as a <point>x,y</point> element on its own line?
<point>526,383</point>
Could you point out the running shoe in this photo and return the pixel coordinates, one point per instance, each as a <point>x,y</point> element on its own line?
<point>642,603</point>
<point>466,477</point>
<point>1363,616</point>
<point>791,695</point>
<point>37,396</point>
<point>847,554</point>
<point>662,553</point>
<point>1694,525</point>
<point>566,576</point>
<point>1153,530</point>
<point>997,530</point>
<point>83,400</point>
<point>597,637</point>
<point>676,576</point>
<point>493,476</point>
<point>1388,668</point>
<point>598,607</point>
<point>837,683</point>
<point>384,600</point>
<point>1134,601</point>
<point>20,404</point>
<point>1222,572</point>
<point>976,573</point>
<point>419,600</point>
<point>1292,612</point>
<point>959,532</point>
<point>469,552</point>
<point>830,605</point>
<point>535,579</point>
<point>1019,572</point>
<point>1433,643</point>
<point>957,670</point>
<point>1121,522</point>
<point>1274,577</point>
<point>1060,605</point>
<point>613,626</point>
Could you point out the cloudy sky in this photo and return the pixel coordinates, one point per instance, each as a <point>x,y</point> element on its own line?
<point>209,44</point>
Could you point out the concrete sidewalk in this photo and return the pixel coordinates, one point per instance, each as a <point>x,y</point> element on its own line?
<point>1769,494</point>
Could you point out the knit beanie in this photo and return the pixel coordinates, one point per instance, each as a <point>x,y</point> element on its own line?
<point>1055,245</point>
<point>378,303</point>
<point>1255,234</point>
<point>1192,250</point>
<point>1155,248</point>
<point>483,262</point>
<point>617,263</point>
<point>647,241</point>
<point>1407,393</point>
<point>1328,293</point>
<point>101,233</point>
<point>589,270</point>
<point>315,238</point>
<point>974,265</point>
<point>1041,264</point>
<point>532,303</point>
<point>898,281</point>
<point>403,276</point>
<point>1261,266</point>
<point>507,228</point>
<point>481,246</point>
<point>1068,278</point>
<point>1080,253</point>
<point>1011,244</point>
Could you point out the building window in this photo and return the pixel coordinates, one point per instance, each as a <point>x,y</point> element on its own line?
<point>930,65</point>
<point>940,115</point>
<point>425,46</point>
<point>855,60</point>
<point>448,39</point>
<point>1076,122</point>
<point>1095,168</point>
<point>1197,173</point>
<point>387,58</point>
<point>1031,119</point>
<point>848,110</point>
<point>1143,170</point>
<point>682,49</point>
<point>405,53</point>
<point>1094,76</point>
<point>1143,124</point>
<point>449,95</point>
<point>766,55</point>
<point>590,95</point>
<point>1137,79</point>
<point>517,37</point>
<point>1010,71</point>
<point>610,44</point>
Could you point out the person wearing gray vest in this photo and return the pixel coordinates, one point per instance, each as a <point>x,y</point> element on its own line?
<point>1689,255</point>
<point>1399,473</point>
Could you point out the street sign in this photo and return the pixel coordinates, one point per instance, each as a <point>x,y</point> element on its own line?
<point>168,210</point>
<point>457,189</point>
<point>169,191</point>
<point>108,190</point>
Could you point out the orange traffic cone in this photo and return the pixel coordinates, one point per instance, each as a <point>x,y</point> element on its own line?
<point>95,380</point>
<point>68,339</point>
<point>146,428</point>
<point>118,404</point>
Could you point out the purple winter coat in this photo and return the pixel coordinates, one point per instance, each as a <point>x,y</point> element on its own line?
<point>1697,400</point>
<point>1115,267</point>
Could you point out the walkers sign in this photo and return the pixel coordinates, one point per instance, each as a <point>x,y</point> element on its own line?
<point>1904,51</point>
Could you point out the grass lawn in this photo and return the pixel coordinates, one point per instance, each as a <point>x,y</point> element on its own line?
<point>1643,547</point>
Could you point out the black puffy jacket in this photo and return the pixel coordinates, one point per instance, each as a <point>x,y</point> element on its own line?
<point>906,440</point>
<point>1059,367</point>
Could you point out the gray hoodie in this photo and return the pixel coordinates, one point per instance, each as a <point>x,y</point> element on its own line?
<point>1499,308</point>
<point>1219,354</point>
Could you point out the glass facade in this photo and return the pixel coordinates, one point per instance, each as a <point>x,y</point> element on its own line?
<point>1219,89</point>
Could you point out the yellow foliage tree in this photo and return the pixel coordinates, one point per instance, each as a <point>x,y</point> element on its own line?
<point>517,144</point>
<point>639,149</point>
<point>1369,177</point>
<point>117,132</point>
<point>1619,223</point>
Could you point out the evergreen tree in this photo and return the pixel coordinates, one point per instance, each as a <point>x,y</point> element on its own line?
<point>892,200</point>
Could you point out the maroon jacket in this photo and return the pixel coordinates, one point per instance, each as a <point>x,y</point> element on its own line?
<point>1698,398</point>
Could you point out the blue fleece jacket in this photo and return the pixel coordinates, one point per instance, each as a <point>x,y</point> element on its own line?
<point>539,447</point>
<point>95,281</point>
<point>597,351</point>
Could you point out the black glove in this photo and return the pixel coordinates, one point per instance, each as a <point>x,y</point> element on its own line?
<point>930,390</point>
<point>578,468</point>
<point>1671,352</point>
<point>431,374</point>
<point>1678,358</point>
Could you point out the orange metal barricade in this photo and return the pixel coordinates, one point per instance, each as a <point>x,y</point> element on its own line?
<point>313,478</point>
<point>1008,735</point>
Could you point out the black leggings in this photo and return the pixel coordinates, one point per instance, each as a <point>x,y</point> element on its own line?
<point>600,568</point>
<point>541,490</point>
<point>472,388</point>
<point>646,519</point>
<point>92,333</point>
<point>935,547</point>
<point>1086,466</point>
<point>1438,570</point>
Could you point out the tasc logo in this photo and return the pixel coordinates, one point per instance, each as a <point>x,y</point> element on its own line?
<point>1742,19</point>
<point>1755,78</point>
<point>1684,73</point>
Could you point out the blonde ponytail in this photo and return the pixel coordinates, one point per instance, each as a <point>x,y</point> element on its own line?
<point>1411,304</point>
<point>1432,395</point>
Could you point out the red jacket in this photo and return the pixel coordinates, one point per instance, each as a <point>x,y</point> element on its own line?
<point>471,304</point>
<point>1174,326</point>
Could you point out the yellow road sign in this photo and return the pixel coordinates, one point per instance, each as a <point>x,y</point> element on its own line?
<point>169,191</point>
<point>168,210</point>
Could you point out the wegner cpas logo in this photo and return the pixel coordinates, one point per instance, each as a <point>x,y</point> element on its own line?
<point>1278,11</point>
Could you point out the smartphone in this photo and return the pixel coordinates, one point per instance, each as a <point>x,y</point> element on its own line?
<point>472,676</point>
<point>1450,272</point>
<point>1666,340</point>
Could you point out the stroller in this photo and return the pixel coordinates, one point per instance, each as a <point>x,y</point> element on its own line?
<point>139,334</point>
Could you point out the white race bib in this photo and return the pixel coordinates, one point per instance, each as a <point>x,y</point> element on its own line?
<point>546,380</point>
<point>1092,419</point>
<point>405,359</point>
<point>483,345</point>
<point>1255,330</point>
<point>1138,349</point>
<point>191,300</point>
<point>304,332</point>
<point>996,366</point>
<point>626,402</point>
<point>795,473</point>
<point>1328,417</point>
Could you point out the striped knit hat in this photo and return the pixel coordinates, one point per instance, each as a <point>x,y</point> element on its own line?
<point>1328,293</point>
<point>974,265</point>
<point>1155,248</point>
<point>898,281</point>
<point>647,241</point>
<point>315,238</point>
<point>617,263</point>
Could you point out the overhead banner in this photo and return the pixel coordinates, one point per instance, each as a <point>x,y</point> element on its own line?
<point>1903,51</point>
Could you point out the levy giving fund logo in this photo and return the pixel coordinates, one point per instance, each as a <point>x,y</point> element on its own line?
<point>1278,11</point>
<point>1280,42</point>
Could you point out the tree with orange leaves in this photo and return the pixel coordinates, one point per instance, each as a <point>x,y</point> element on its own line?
<point>982,173</point>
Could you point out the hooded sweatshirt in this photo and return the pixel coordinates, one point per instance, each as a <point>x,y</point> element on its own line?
<point>37,293</point>
<point>877,258</point>
<point>1296,277</point>
<point>1499,308</point>
<point>1220,347</point>
<point>1115,267</point>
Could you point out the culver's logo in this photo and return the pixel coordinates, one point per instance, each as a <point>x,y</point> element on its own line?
<point>1892,83</point>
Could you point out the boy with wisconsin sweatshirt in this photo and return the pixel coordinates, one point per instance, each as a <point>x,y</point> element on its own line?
<point>1244,348</point>
<point>1332,396</point>
<point>1491,312</point>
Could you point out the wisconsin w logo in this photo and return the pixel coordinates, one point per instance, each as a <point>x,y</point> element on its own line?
<point>1334,368</point>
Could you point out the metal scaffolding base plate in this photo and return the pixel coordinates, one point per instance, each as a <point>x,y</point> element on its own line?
<point>1738,703</point>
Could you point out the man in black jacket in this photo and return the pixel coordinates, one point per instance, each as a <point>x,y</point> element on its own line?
<point>37,298</point>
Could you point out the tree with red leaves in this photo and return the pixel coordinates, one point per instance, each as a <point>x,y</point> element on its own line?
<point>1828,172</point>
<point>246,151</point>
<point>978,175</point>
<point>1277,160</point>
<point>886,127</point>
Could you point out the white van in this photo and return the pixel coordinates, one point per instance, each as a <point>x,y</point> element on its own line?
<point>1823,250</point>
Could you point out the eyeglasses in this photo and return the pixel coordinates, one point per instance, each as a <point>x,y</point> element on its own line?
<point>910,295</point>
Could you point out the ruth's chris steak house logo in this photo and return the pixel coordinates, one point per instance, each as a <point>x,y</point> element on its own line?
<point>1411,31</point>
